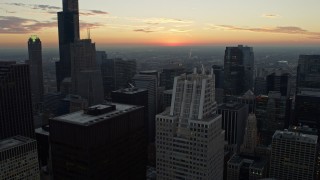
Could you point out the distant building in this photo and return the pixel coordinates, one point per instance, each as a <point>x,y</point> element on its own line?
<point>69,32</point>
<point>19,158</point>
<point>250,139</point>
<point>86,77</point>
<point>234,117</point>
<point>134,96</point>
<point>279,81</point>
<point>308,72</point>
<point>16,117</point>
<point>189,138</point>
<point>293,156</point>
<point>36,74</point>
<point>101,56</point>
<point>167,96</point>
<point>248,98</point>
<point>271,113</point>
<point>247,167</point>
<point>101,142</point>
<point>149,82</point>
<point>260,86</point>
<point>117,74</point>
<point>307,109</point>
<point>238,70</point>
<point>168,73</point>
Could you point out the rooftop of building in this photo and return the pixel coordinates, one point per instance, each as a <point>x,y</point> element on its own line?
<point>309,92</point>
<point>132,90</point>
<point>295,136</point>
<point>14,142</point>
<point>304,130</point>
<point>168,91</point>
<point>232,106</point>
<point>96,114</point>
<point>43,130</point>
<point>252,161</point>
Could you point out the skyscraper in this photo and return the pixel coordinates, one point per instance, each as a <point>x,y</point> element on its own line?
<point>250,139</point>
<point>19,158</point>
<point>149,82</point>
<point>117,73</point>
<point>234,118</point>
<point>189,138</point>
<point>168,73</point>
<point>279,81</point>
<point>238,70</point>
<point>36,74</point>
<point>68,27</point>
<point>293,156</point>
<point>308,72</point>
<point>101,142</point>
<point>86,77</point>
<point>16,117</point>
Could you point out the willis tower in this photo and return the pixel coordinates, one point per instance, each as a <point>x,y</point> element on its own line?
<point>68,24</point>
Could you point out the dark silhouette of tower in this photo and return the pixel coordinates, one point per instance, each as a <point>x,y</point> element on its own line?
<point>36,73</point>
<point>15,101</point>
<point>238,70</point>
<point>68,27</point>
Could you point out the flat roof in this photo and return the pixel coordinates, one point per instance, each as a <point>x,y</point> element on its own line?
<point>81,118</point>
<point>295,136</point>
<point>254,162</point>
<point>130,90</point>
<point>14,142</point>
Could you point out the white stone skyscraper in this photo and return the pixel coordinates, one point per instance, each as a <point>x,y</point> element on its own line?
<point>189,138</point>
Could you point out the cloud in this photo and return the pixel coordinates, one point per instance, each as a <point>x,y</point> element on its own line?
<point>143,30</point>
<point>54,9</point>
<point>17,25</point>
<point>270,16</point>
<point>280,29</point>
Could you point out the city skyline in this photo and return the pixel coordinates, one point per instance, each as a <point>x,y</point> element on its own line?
<point>167,23</point>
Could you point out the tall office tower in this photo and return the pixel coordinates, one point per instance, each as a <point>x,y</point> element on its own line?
<point>117,73</point>
<point>16,117</point>
<point>307,109</point>
<point>308,73</point>
<point>260,86</point>
<point>293,156</point>
<point>238,70</point>
<point>219,81</point>
<point>250,139</point>
<point>36,74</point>
<point>271,115</point>
<point>68,27</point>
<point>19,158</point>
<point>189,138</point>
<point>279,81</point>
<point>100,57</point>
<point>86,78</point>
<point>248,98</point>
<point>133,96</point>
<point>101,142</point>
<point>167,96</point>
<point>168,74</point>
<point>149,82</point>
<point>234,117</point>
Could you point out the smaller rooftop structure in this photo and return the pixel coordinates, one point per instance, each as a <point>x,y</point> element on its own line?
<point>14,142</point>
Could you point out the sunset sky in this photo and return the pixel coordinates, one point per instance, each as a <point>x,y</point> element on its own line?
<point>167,22</point>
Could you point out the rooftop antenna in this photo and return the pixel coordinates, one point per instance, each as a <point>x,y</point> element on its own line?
<point>88,33</point>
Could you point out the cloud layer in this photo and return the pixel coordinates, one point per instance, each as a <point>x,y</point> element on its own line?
<point>279,29</point>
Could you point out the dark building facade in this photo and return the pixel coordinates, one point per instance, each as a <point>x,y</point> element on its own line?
<point>133,96</point>
<point>117,73</point>
<point>307,109</point>
<point>168,73</point>
<point>68,28</point>
<point>234,117</point>
<point>279,81</point>
<point>101,142</point>
<point>16,117</point>
<point>219,76</point>
<point>308,72</point>
<point>36,73</point>
<point>238,70</point>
